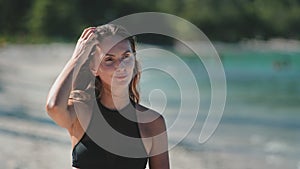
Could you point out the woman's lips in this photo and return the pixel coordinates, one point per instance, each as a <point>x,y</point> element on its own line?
<point>121,76</point>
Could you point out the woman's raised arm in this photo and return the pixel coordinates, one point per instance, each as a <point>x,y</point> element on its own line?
<point>58,97</point>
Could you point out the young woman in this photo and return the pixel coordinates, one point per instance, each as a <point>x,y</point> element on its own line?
<point>103,74</point>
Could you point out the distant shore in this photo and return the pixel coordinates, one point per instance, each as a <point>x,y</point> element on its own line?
<point>255,44</point>
<point>276,44</point>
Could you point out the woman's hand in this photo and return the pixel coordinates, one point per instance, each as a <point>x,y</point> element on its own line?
<point>86,47</point>
<point>85,44</point>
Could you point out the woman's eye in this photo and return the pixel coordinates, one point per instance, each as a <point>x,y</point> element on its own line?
<point>108,61</point>
<point>127,56</point>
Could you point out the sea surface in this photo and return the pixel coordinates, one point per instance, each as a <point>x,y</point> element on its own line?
<point>259,128</point>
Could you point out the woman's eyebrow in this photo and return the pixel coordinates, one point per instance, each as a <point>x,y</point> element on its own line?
<point>127,51</point>
<point>113,55</point>
<point>108,54</point>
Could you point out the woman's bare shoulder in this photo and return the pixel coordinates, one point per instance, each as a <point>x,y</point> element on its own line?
<point>151,119</point>
<point>146,112</point>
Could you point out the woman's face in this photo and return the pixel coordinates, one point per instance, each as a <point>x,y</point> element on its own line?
<point>117,62</point>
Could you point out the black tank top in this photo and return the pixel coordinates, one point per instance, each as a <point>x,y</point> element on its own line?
<point>87,154</point>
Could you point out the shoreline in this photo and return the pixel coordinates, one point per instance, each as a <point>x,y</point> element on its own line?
<point>270,44</point>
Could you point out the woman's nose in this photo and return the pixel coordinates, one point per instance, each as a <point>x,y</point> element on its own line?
<point>120,64</point>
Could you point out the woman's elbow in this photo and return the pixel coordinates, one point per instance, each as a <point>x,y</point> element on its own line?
<point>58,115</point>
<point>49,102</point>
<point>51,107</point>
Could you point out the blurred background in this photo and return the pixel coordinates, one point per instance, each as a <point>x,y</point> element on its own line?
<point>257,41</point>
<point>224,20</point>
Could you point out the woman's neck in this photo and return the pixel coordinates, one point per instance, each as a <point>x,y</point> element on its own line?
<point>116,99</point>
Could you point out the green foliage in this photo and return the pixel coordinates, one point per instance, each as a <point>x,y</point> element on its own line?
<point>53,18</point>
<point>226,20</point>
<point>12,16</point>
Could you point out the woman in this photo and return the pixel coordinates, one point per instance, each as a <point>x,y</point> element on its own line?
<point>103,74</point>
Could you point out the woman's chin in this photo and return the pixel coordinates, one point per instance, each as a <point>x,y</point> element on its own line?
<point>121,82</point>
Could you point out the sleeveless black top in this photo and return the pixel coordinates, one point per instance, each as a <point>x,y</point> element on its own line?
<point>87,154</point>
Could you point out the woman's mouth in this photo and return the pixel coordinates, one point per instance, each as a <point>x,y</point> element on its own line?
<point>121,76</point>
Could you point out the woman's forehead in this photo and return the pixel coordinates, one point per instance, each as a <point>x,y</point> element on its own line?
<point>115,44</point>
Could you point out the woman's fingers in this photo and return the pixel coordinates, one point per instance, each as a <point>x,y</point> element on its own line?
<point>84,32</point>
<point>85,44</point>
<point>90,37</point>
<point>87,31</point>
<point>89,34</point>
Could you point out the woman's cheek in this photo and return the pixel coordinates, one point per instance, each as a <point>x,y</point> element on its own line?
<point>106,77</point>
<point>131,64</point>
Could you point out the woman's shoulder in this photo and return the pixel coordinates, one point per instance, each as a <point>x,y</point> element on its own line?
<point>151,119</point>
<point>148,113</point>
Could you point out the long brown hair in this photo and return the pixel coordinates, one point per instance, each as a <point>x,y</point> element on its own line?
<point>112,30</point>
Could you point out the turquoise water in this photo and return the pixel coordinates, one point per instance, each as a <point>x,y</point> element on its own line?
<point>261,119</point>
<point>254,79</point>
